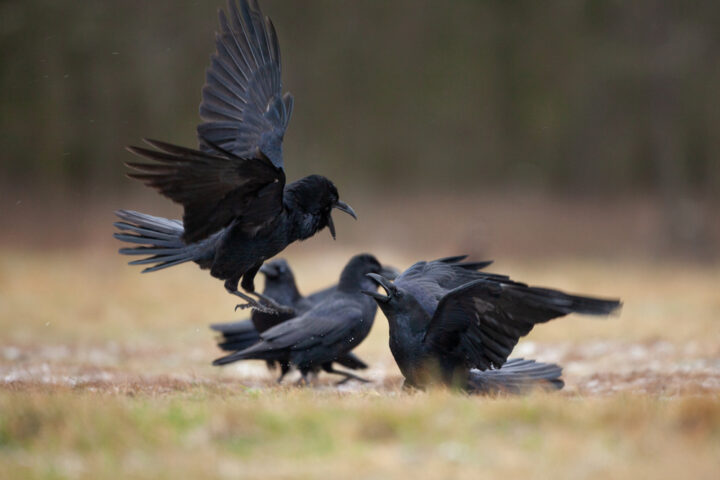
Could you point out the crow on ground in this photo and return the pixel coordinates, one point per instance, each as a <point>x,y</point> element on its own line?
<point>237,209</point>
<point>325,333</point>
<point>280,286</point>
<point>456,326</point>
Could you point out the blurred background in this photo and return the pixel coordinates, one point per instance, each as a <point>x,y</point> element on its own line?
<point>503,127</point>
<point>575,143</point>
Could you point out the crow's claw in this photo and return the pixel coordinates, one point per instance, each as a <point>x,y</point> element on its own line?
<point>272,307</point>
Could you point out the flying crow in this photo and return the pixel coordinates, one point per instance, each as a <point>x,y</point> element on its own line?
<point>237,209</point>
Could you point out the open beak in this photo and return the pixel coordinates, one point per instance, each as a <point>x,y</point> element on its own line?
<point>377,296</point>
<point>344,207</point>
<point>331,226</point>
<point>385,284</point>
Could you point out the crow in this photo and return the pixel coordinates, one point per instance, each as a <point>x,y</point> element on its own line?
<point>237,209</point>
<point>325,333</point>
<point>453,325</point>
<point>280,286</point>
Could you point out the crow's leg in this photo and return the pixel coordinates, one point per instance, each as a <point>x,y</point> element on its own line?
<point>348,376</point>
<point>268,304</point>
<point>274,305</point>
<point>252,303</point>
<point>304,379</point>
<point>284,369</point>
<point>231,287</point>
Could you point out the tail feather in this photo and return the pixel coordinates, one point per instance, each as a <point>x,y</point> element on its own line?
<point>233,357</point>
<point>351,361</point>
<point>147,250</point>
<point>516,376</point>
<point>475,265</point>
<point>236,335</point>
<point>155,225</point>
<point>161,240</point>
<point>566,303</point>
<point>146,232</point>
<point>143,240</point>
<point>453,259</point>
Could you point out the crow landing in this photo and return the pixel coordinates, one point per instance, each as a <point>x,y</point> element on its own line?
<point>280,286</point>
<point>454,325</point>
<point>325,333</point>
<point>237,209</point>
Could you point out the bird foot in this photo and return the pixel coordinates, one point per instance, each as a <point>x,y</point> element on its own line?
<point>242,306</point>
<point>250,302</point>
<point>257,306</point>
<point>274,307</point>
<point>262,304</point>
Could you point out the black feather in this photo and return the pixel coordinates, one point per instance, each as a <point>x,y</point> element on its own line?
<point>447,320</point>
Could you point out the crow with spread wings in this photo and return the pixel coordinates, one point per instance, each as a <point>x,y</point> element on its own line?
<point>238,211</point>
<point>454,325</point>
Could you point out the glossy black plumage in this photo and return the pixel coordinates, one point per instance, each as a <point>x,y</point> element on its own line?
<point>450,323</point>
<point>237,209</point>
<point>326,332</point>
<point>280,286</point>
<point>243,106</point>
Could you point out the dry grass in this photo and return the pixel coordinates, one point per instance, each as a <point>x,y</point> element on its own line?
<point>105,373</point>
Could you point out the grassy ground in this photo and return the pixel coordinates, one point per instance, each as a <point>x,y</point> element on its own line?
<point>105,373</point>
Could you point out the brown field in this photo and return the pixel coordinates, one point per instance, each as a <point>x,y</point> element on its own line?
<point>105,373</point>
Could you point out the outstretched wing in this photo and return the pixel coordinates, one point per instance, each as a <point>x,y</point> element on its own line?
<point>242,106</point>
<point>481,322</point>
<point>428,282</point>
<point>213,188</point>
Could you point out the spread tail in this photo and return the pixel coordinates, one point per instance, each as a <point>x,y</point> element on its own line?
<point>516,376</point>
<point>159,238</point>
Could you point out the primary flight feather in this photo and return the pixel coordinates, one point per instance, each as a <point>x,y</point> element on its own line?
<point>238,210</point>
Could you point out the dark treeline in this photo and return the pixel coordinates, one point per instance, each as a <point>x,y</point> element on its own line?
<point>581,96</point>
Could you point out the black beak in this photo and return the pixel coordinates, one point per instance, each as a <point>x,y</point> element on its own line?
<point>377,296</point>
<point>344,207</point>
<point>383,282</point>
<point>331,226</point>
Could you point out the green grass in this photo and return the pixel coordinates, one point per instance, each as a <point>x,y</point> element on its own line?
<point>296,433</point>
<point>105,374</point>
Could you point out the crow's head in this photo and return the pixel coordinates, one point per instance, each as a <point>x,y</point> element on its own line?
<point>312,199</point>
<point>354,275</point>
<point>277,270</point>
<point>396,303</point>
<point>392,293</point>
